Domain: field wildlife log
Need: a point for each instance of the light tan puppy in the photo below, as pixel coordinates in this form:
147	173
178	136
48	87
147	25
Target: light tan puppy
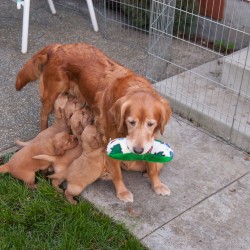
23	167
61	162
70	107
79	120
86	169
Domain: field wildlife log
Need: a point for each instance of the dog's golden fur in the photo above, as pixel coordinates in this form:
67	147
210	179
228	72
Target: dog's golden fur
127	104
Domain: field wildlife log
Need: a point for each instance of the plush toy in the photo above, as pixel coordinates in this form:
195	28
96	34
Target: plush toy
159	152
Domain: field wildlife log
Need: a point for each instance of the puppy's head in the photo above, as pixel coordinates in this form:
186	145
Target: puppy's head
70	108
90	138
63	141
76	93
140	117
79	120
59	105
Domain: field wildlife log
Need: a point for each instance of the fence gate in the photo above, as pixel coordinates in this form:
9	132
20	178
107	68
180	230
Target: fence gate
199	58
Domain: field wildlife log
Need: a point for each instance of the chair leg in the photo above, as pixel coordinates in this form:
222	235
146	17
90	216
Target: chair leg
25	29
52	6
92	15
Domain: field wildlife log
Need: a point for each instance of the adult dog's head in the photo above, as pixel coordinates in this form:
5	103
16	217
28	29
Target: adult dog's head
139	117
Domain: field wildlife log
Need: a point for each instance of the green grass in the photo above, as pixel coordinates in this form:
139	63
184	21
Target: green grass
43	219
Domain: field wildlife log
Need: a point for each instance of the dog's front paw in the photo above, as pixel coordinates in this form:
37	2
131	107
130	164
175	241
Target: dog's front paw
125	196
162	189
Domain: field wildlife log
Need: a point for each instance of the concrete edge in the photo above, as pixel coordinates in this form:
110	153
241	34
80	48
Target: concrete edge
216	127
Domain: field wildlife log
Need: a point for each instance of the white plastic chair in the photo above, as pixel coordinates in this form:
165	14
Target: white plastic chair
26	14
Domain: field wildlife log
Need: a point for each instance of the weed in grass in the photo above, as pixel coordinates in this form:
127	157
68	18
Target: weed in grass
43	219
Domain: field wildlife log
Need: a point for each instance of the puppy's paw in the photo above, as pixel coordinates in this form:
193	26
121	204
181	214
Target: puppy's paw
125	196
32	185
162	189
73	200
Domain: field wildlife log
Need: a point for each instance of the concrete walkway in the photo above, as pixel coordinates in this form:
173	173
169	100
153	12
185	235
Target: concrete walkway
209	206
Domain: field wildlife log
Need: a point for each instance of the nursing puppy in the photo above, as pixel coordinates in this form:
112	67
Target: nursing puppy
85	169
127	104
60	162
79	120
23	167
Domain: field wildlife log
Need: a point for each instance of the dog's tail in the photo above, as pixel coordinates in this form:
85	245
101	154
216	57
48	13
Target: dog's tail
4	168
49	158
32	70
22	143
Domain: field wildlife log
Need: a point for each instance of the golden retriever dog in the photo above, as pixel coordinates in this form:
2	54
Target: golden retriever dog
127	104
84	170
23	167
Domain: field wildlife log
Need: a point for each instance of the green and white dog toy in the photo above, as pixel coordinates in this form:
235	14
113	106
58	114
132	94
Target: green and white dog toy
159	152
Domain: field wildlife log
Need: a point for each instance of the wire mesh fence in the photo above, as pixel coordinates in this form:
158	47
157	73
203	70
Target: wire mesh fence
127	16
198	56
206	72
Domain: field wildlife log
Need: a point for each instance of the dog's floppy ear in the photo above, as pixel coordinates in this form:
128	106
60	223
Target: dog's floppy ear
79	128
95	142
90	116
58	147
166	113
59	113
59	150
118	111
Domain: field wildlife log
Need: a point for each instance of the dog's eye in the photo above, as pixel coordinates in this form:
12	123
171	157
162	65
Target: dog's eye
132	123
150	124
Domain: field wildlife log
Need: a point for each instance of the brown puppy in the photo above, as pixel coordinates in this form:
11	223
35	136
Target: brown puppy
61	162
79	120
23	167
128	104
70	107
86	169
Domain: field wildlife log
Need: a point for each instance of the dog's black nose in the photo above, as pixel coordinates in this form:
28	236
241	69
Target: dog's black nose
138	150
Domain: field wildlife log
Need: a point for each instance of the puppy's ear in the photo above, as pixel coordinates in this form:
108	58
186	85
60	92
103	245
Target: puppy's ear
58	148
59	114
166	113
118	111
79	128
95	142
91	119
